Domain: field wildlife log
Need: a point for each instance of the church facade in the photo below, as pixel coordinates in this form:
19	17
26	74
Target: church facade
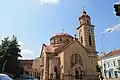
68	57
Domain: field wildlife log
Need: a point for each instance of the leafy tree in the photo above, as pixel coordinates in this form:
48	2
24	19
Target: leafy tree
98	68
9	52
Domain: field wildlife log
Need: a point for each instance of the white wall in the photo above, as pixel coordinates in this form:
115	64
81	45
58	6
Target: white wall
110	60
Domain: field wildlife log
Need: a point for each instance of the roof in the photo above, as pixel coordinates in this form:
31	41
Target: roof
65	47
112	53
61	34
37	58
48	48
26	61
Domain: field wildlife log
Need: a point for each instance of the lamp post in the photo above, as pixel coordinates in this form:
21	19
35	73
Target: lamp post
102	39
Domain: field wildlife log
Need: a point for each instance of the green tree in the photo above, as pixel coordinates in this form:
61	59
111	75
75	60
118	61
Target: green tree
98	68
9	51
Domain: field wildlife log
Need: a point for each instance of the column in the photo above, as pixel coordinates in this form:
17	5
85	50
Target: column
46	67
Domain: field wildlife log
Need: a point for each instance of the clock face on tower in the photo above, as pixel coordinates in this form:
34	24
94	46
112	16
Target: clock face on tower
89	30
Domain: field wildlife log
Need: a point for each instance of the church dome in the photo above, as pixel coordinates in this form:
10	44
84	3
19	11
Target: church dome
61	37
63	34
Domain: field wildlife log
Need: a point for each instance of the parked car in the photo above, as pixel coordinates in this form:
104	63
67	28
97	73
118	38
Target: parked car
25	77
5	77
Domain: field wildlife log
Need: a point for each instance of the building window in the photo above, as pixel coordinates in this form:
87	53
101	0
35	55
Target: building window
76	58
114	63
60	39
108	64
67	39
119	63
104	65
54	40
81	40
90	43
88	21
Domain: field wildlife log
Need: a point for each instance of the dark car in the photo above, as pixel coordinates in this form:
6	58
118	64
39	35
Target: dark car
25	77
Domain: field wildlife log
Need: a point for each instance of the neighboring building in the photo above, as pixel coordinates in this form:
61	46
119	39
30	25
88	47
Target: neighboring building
36	64
30	68
27	65
110	64
69	58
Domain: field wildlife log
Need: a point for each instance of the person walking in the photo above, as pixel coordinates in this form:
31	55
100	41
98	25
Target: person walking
101	78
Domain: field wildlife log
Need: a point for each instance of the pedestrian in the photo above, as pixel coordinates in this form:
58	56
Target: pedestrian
101	78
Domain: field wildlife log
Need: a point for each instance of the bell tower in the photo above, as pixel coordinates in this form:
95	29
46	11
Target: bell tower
86	32
87	38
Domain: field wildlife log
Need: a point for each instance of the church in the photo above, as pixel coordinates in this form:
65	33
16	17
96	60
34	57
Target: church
68	57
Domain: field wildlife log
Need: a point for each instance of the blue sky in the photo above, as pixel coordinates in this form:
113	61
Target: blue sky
34	23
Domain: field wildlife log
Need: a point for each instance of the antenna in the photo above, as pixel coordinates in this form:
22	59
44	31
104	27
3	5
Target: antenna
62	30
83	8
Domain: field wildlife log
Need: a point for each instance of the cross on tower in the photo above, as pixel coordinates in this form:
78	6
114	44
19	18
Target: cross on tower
62	30
83	8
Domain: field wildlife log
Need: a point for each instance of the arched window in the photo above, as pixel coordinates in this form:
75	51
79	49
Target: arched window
81	39
87	21
90	41
67	39
60	39
72	60
76	59
54	40
79	59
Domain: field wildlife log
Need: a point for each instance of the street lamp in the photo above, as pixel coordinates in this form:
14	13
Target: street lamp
103	34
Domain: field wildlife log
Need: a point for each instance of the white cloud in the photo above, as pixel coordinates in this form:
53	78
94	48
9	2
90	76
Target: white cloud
117	3
20	43
114	28
111	29
27	54
50	1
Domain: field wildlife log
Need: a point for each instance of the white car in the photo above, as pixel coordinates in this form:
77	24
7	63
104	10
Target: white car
5	77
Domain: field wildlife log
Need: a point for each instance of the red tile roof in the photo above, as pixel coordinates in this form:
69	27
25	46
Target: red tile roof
112	53
48	48
62	34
